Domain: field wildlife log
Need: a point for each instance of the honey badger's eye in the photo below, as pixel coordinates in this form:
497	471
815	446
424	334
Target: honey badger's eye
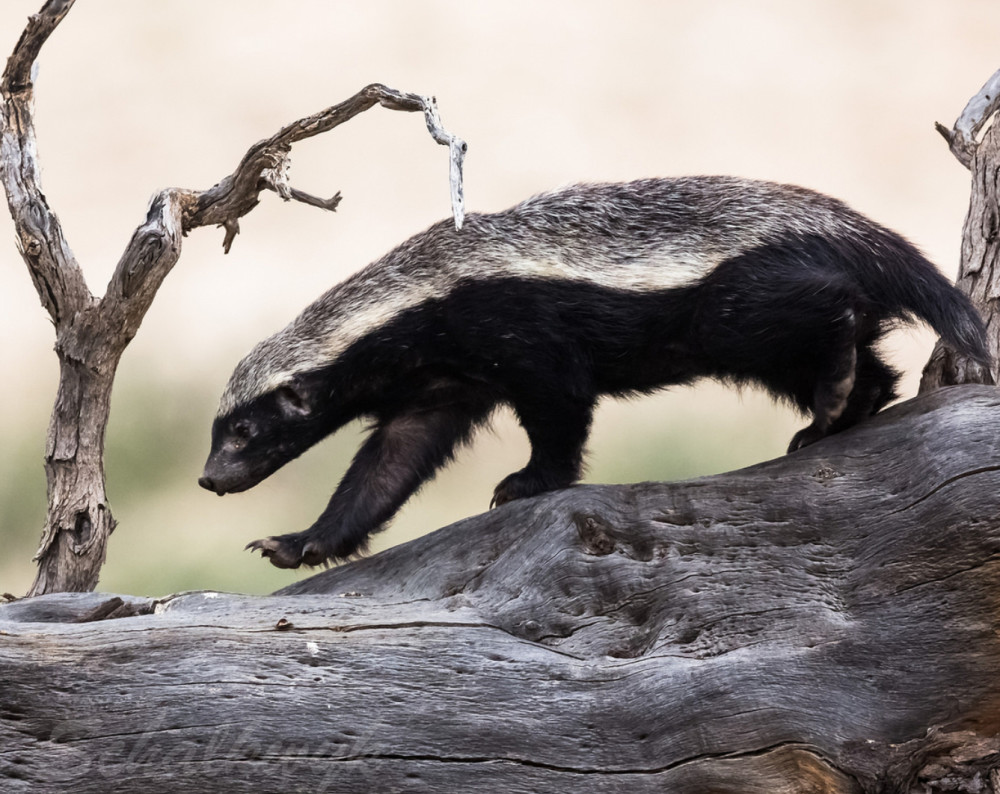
240	434
241	430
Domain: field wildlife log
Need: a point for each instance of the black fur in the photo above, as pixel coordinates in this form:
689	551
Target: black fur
800	315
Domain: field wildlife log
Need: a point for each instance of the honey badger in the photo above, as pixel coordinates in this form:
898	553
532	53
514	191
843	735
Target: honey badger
608	289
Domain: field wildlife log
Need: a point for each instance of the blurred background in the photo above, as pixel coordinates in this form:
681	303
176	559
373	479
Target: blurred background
135	95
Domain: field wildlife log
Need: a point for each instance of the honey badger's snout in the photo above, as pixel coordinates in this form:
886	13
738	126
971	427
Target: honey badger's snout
226	473
209	484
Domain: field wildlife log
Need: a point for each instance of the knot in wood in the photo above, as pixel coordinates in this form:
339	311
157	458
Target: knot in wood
594	534
989	222
826	473
152	246
32	227
530	630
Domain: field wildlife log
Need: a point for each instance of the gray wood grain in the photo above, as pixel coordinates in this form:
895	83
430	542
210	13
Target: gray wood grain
826	621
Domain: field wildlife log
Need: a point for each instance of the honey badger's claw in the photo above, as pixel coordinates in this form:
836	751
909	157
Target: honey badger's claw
526	483
499	498
805	437
289	551
313	555
278	551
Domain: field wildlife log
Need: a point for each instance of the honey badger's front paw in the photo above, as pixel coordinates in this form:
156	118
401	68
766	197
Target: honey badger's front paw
290	551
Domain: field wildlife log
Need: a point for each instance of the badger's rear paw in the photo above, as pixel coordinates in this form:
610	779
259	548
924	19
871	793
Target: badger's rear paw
805	437
290	551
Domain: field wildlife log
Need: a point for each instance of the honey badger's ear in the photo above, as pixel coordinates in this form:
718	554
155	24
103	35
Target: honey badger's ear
293	401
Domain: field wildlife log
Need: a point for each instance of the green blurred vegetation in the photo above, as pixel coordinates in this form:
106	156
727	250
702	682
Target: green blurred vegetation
174	536
22	507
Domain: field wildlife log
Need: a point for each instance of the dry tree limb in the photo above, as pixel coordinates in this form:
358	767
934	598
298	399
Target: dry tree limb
978	273
979	110
266	164
91	332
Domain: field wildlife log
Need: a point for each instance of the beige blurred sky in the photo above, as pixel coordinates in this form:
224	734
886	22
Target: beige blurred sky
136	95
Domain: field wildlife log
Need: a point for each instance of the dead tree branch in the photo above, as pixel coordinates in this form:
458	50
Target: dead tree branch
91	332
977	113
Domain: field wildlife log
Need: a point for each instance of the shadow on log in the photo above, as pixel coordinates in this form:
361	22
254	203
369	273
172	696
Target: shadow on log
824	622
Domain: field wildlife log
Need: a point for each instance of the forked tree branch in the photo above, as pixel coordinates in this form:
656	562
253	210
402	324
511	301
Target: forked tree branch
155	246
977	113
265	165
92	333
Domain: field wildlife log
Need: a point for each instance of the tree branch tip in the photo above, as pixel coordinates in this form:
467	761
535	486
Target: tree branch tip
232	228
391	99
56	6
314	201
957	143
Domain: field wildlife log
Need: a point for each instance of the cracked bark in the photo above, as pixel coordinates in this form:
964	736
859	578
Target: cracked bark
826	622
91	332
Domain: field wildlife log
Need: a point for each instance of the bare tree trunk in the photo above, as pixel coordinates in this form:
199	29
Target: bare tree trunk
979	268
79	517
92	333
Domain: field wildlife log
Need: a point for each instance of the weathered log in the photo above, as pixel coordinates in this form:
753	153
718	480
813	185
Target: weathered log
827	621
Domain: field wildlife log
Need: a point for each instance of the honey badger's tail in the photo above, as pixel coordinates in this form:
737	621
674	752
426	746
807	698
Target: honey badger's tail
910	284
950	312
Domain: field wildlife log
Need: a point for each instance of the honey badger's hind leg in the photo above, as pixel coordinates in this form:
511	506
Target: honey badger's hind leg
851	384
401	453
787	318
834	379
853	390
557	429
874	387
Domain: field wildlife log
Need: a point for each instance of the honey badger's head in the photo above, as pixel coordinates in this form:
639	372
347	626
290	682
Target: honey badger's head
255	439
272	410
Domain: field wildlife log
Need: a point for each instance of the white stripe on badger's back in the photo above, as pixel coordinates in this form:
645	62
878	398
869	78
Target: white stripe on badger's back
639	236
